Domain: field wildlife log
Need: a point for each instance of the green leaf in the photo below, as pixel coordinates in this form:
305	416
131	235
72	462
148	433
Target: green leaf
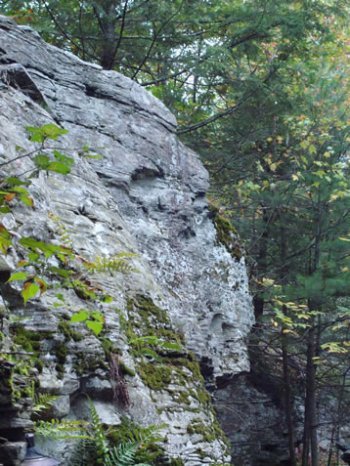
12	181
33	256
150	340
80	316
63	273
149	352
5	239
107	299
59	167
96	327
27	200
98	316
48	249
18	276
42	161
48	131
30	291
69	161
32	243
171	346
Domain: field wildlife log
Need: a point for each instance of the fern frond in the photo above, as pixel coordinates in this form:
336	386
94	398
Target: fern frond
131	432
62	429
43	402
98	432
61	230
117	263
84	454
122	455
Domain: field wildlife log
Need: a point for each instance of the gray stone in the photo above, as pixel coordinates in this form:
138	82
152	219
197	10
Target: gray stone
12	453
60	407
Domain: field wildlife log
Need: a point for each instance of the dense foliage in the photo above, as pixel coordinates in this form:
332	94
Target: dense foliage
261	89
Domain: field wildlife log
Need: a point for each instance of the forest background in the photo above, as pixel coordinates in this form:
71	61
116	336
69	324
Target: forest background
260	89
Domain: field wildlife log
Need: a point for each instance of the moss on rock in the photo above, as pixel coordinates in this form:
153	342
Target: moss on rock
159	368
227	234
176	462
30	341
68	331
156	376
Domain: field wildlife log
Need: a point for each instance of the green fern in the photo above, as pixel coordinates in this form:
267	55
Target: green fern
61	230
84	454
124	453
117	263
43	402
98	432
62	429
94	446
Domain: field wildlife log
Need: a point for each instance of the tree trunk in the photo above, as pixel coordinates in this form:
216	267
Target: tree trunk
310	443
258	300
107	18
288	400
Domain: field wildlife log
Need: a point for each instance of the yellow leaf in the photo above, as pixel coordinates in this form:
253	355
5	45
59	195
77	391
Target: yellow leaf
312	149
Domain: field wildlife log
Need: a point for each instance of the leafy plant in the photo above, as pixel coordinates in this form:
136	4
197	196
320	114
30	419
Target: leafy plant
42	401
36	253
151	345
117	263
124	455
43	133
95	446
93	320
62	429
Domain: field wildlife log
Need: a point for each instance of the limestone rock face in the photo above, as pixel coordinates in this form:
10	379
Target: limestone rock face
145	196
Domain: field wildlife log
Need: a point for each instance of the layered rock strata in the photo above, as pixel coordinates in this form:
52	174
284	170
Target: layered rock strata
142	193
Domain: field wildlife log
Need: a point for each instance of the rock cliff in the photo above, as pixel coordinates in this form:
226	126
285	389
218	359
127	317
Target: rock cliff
144	196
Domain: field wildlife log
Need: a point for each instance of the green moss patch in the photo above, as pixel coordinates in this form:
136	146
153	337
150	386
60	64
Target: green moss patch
157	366
176	462
156	376
69	332
126	370
208	432
30	341
226	233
